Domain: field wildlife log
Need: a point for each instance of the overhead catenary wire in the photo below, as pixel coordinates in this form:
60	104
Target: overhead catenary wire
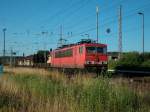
72	12
102	8
107	22
76	25
62	12
113	20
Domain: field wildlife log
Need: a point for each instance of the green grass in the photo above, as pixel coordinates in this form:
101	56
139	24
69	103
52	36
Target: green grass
35	93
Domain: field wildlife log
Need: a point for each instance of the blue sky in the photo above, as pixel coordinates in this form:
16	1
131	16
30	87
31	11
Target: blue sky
25	21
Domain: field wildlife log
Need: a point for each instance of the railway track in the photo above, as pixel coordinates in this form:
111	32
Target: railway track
130	72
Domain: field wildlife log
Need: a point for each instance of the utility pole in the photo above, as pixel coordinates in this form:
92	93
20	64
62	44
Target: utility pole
143	27
97	22
120	31
4	51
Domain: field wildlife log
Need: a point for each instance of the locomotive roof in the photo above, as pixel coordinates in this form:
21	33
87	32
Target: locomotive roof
82	42
72	45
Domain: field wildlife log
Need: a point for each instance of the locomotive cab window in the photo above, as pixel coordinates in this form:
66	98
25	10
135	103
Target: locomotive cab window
102	50
91	49
105	50
96	50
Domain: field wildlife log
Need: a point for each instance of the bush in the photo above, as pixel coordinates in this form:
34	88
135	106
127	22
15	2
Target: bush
146	56
146	63
112	64
132	61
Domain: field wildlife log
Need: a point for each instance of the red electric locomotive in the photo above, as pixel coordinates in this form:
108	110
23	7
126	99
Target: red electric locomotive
84	54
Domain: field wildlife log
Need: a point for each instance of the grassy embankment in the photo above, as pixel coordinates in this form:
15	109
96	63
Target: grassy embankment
33	90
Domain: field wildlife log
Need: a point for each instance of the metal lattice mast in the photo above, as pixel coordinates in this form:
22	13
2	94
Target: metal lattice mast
120	31
61	38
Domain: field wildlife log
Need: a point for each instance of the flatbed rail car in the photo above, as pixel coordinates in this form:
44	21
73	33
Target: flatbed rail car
82	56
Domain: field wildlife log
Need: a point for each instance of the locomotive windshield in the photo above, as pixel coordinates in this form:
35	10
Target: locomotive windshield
96	50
